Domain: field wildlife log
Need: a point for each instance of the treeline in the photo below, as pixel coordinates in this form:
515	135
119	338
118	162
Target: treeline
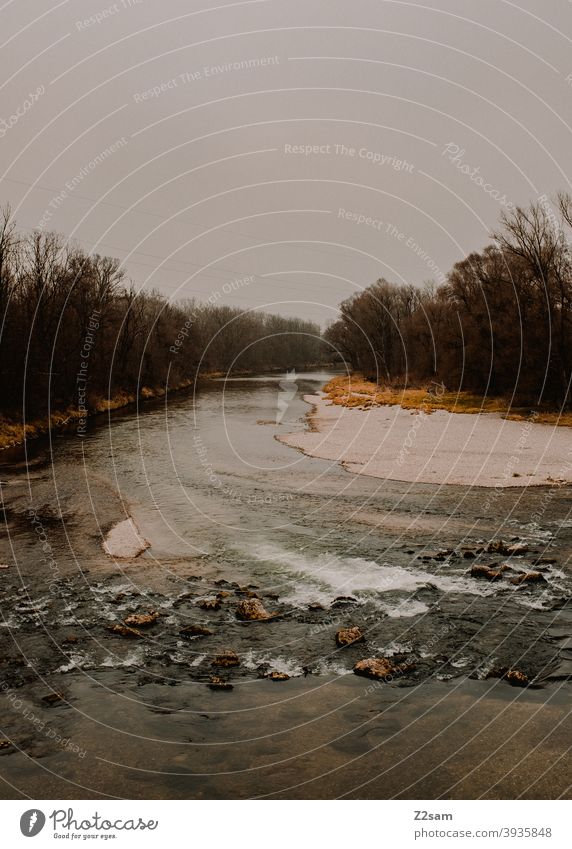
75	331
500	325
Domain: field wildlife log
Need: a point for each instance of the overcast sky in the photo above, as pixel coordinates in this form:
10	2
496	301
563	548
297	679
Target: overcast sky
165	133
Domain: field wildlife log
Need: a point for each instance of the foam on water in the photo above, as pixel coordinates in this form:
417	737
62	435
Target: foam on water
253	659
324	576
77	660
136	657
404	609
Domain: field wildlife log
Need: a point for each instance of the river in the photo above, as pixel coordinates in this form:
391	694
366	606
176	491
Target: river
229	510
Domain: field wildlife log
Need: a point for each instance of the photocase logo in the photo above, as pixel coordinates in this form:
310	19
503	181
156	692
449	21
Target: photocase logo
288	389
32	822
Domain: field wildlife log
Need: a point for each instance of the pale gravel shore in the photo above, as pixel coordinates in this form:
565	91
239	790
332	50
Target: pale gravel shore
441	448
124	541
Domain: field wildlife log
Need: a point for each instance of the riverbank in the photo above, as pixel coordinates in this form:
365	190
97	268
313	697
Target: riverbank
355	391
413	439
14	433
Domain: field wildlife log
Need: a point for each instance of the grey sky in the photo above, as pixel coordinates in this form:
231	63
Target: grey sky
164	134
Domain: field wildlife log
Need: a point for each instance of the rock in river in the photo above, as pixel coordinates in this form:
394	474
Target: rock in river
141	620
347	636
124	631
380	667
529	578
488	572
516	678
210	604
53	698
226	659
252	610
507	550
217	683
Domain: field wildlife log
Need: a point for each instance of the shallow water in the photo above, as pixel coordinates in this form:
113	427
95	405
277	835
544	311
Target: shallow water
227	508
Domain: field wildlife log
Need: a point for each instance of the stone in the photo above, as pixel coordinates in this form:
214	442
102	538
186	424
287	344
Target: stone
516	678
529	578
217	683
141	620
348	636
190	631
279	676
210	604
507	550
252	610
53	698
487	572
380	668
226	659
125	631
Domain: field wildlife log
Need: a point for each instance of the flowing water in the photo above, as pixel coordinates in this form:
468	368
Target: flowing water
229	510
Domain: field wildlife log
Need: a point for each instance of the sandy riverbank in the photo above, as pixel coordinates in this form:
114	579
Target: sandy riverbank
124	541
439	447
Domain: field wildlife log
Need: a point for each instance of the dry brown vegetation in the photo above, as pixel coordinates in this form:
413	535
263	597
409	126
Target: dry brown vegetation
357	391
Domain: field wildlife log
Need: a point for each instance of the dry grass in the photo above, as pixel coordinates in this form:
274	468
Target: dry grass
13	433
358	392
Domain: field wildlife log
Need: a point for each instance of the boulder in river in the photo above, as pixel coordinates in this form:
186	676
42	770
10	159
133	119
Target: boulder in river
507	549
252	610
347	636
279	676
516	678
53	698
210	604
226	659
529	578
513	676
217	683
141	620
341	600
125	631
487	572
380	668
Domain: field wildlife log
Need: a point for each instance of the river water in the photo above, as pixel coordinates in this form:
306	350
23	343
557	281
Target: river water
228	509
